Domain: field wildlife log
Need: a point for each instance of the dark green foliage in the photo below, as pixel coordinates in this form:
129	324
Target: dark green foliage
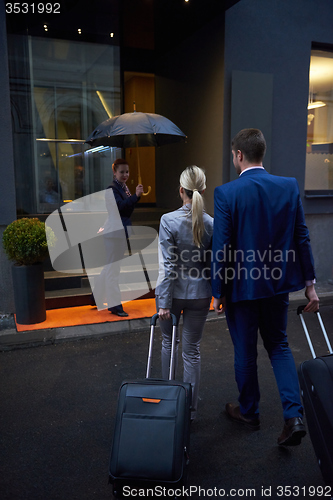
25	242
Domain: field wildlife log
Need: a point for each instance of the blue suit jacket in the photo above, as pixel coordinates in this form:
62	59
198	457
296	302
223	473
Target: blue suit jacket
261	245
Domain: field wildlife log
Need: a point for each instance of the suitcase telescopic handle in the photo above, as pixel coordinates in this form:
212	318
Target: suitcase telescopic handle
300	314
173	345
156	316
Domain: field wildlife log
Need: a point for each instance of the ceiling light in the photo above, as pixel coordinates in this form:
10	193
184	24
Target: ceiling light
316	104
312	104
111	35
79	31
98	149
105	104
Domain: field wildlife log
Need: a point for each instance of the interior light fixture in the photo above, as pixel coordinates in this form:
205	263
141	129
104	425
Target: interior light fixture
111	35
98	149
72	156
316	104
79	31
104	103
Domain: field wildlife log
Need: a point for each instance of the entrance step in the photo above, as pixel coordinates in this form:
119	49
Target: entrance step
73	288
74	297
148	216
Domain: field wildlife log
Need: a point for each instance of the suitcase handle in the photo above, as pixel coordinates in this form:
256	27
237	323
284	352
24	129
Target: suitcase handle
300	314
156	316
301	308
173	345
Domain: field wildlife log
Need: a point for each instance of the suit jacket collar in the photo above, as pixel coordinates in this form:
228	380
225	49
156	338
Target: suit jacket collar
254	171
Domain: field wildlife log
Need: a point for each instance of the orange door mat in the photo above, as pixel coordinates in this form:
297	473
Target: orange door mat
88	315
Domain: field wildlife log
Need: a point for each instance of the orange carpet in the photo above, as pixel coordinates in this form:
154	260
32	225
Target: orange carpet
88	315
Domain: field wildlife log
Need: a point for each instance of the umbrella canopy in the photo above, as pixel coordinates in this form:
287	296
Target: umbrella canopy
136	129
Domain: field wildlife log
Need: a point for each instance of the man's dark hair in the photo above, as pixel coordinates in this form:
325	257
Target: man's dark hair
251	142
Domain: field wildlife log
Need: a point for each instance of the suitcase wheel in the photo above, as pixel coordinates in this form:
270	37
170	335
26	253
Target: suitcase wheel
116	494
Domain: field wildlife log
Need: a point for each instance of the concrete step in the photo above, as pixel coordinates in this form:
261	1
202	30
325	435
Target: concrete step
55	280
74	297
73	288
148	214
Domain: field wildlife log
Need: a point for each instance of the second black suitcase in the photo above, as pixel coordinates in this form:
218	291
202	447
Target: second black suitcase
316	382
152	427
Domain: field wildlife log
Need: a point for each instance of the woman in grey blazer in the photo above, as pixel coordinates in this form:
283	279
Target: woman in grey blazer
185	239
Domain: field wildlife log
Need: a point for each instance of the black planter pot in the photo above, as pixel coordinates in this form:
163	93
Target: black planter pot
29	294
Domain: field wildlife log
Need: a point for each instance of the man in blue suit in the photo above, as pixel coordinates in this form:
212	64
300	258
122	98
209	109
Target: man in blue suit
261	252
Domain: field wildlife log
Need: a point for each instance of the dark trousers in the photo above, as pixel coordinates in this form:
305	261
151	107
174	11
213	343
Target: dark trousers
269	316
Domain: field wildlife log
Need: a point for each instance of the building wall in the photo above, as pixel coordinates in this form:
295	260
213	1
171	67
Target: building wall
274	39
321	235
267	39
7	184
189	91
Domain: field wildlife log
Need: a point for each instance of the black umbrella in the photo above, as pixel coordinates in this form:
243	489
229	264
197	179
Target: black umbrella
136	129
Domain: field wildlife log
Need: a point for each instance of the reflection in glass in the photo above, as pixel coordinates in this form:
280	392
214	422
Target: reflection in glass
319	157
60	91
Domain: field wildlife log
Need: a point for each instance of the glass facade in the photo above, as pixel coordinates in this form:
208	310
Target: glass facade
60	91
319	157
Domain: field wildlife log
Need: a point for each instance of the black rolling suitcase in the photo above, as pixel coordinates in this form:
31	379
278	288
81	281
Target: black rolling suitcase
152	428
316	382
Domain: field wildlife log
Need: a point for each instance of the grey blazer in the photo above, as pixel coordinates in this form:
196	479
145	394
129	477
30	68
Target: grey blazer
184	269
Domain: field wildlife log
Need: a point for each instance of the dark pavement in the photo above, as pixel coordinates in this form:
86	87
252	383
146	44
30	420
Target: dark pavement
57	412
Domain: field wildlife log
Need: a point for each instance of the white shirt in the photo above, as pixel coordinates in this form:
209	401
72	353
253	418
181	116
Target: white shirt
250	168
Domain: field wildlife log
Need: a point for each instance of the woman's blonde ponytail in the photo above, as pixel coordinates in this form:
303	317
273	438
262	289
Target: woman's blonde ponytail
193	180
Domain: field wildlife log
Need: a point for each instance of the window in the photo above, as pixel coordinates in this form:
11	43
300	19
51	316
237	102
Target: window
319	147
60	91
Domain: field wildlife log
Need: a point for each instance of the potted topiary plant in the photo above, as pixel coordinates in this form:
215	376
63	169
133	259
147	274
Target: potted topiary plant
25	243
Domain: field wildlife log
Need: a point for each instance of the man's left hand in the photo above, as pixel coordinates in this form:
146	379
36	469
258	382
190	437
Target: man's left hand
219	305
311	295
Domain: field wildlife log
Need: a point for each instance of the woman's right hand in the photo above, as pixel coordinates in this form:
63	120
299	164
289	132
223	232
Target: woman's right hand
164	313
139	190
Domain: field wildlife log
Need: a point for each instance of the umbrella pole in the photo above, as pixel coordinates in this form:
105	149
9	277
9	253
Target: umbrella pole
139	171
144	194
